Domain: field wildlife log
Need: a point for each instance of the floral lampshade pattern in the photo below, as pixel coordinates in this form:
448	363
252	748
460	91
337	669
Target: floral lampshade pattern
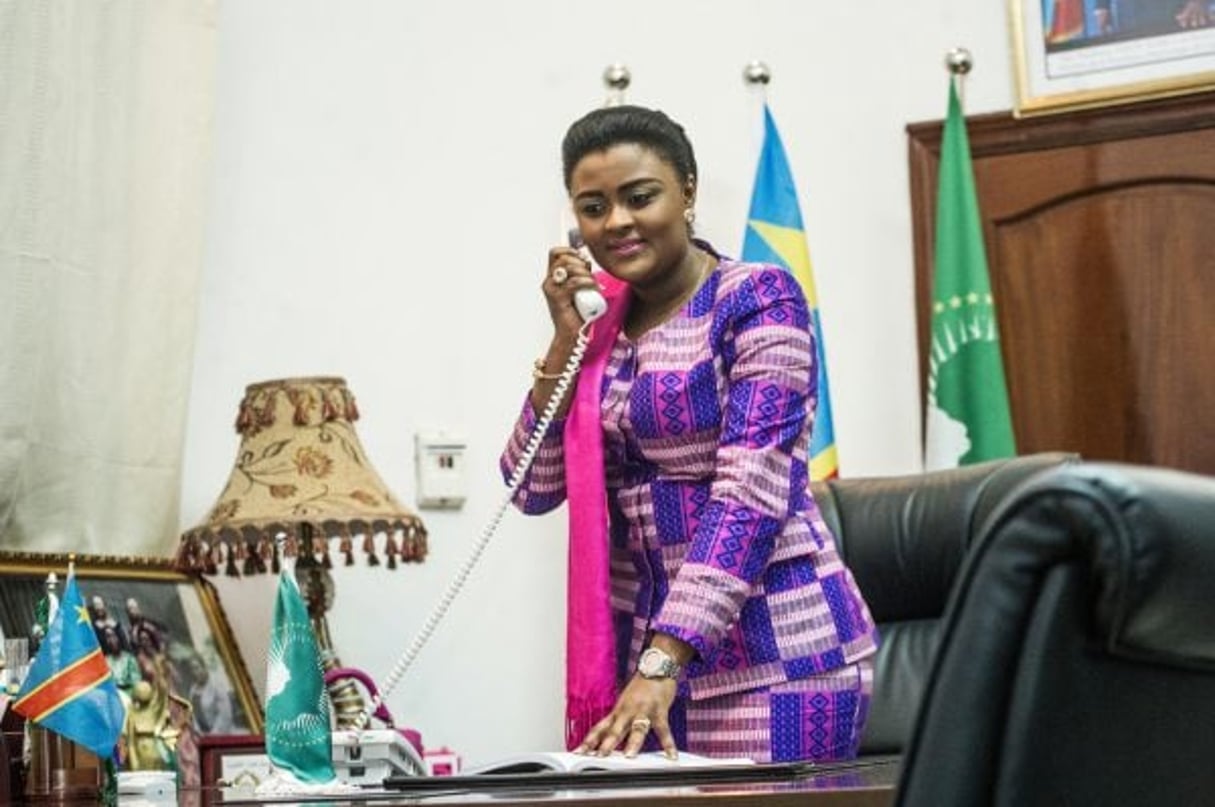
301	475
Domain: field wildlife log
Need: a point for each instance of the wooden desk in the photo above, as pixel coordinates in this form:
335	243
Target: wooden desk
868	784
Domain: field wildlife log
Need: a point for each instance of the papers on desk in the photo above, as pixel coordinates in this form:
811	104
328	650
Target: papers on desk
644	772
569	762
144	788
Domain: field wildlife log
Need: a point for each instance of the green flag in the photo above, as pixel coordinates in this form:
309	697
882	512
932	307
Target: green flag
967	412
298	738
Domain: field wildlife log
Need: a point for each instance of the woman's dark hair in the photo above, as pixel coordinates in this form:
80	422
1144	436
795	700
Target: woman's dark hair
610	126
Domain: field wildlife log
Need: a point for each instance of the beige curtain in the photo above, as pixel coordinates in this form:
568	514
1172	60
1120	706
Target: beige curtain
105	131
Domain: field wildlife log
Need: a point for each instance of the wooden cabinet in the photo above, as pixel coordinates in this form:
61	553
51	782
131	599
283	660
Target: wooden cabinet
1100	233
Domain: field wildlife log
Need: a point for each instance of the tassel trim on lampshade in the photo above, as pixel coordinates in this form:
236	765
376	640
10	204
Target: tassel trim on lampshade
300	473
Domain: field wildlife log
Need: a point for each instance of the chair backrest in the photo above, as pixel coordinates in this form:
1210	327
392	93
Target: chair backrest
1077	655
905	538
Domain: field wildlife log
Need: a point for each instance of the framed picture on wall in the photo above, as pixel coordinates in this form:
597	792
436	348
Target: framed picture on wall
168	644
1073	54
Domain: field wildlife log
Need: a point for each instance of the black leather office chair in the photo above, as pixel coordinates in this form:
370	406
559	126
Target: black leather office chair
905	538
1076	663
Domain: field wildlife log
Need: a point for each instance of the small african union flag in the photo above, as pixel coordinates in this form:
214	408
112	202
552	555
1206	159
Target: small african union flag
298	737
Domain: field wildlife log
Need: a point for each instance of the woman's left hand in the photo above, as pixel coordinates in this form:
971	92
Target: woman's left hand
642	707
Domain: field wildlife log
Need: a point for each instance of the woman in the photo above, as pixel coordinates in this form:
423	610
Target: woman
737	629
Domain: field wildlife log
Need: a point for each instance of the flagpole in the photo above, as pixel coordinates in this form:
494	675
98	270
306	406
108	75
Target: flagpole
959	62
757	75
616	77
775	234
967	415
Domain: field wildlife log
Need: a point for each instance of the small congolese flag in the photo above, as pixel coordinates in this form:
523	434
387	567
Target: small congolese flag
69	689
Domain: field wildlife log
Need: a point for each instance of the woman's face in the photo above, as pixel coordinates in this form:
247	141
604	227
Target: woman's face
630	205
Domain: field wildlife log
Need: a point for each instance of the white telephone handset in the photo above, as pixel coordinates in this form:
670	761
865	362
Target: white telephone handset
589	302
591	305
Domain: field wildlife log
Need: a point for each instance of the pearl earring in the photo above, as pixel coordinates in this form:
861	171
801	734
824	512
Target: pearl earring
689	215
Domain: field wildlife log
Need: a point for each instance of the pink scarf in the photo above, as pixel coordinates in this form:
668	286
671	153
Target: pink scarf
590	656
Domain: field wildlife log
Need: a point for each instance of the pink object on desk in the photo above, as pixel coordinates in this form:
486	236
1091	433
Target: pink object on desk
381	712
442	762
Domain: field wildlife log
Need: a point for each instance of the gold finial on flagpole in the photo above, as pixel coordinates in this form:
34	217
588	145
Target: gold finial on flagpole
616	77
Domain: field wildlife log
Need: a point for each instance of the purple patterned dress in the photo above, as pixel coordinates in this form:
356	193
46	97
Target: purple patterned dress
715	538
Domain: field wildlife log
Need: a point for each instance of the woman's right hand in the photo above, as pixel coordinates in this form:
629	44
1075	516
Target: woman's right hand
568	271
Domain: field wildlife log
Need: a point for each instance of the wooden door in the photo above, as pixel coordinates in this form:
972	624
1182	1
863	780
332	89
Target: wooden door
1100	233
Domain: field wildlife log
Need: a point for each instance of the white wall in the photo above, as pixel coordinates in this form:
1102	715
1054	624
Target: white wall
386	187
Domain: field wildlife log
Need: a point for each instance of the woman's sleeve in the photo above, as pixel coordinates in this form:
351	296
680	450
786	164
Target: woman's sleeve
768	351
543	486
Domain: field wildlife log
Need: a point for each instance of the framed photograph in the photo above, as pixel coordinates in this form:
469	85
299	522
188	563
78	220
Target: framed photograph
1075	54
169	645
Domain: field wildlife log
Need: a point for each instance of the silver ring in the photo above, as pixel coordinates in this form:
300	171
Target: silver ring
641	724
560	275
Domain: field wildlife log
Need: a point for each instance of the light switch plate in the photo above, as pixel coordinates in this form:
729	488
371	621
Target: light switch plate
440	460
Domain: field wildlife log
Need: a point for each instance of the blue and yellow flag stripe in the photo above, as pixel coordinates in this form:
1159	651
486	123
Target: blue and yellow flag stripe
775	234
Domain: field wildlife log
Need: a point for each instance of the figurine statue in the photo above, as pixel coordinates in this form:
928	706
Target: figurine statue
155	723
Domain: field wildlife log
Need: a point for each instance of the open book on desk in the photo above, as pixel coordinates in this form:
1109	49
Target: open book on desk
559	770
569	762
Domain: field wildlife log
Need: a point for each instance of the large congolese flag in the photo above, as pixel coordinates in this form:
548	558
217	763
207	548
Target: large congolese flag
69	689
967	411
775	235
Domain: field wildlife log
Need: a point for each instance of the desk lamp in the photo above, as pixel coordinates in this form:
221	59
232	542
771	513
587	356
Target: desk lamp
302	480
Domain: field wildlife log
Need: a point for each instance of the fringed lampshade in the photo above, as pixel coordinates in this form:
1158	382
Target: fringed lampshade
302	482
301	474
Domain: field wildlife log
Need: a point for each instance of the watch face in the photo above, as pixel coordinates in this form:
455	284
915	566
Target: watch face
655	664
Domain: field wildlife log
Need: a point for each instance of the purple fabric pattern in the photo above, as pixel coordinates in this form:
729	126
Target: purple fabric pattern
715	538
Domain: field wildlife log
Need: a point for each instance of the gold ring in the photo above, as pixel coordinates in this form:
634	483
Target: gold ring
641	724
560	275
